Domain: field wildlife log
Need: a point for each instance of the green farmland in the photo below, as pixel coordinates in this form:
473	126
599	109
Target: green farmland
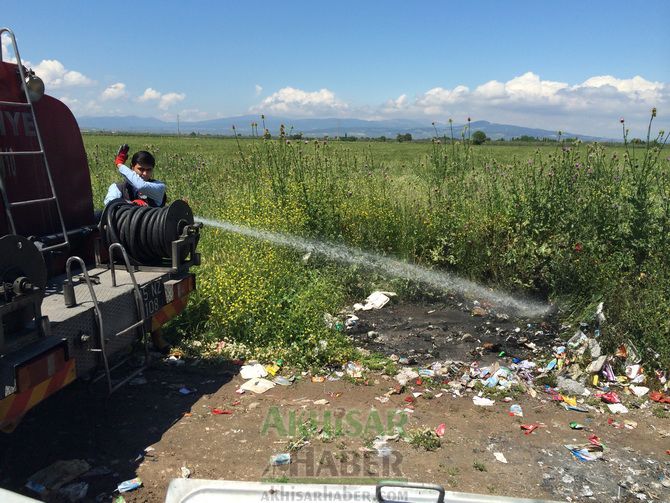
570	223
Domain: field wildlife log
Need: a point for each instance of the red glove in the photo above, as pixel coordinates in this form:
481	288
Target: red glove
122	154
139	202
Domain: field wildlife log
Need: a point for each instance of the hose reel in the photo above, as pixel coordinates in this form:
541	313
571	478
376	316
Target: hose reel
145	232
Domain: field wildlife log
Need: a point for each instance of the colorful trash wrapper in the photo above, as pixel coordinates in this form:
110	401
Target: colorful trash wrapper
280	459
586	452
129	485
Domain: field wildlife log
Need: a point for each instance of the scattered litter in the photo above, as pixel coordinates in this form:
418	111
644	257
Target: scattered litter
426	373
586	452
516	410
322	401
569	385
659	397
129	485
280	459
630	425
576	426
376	300
482	402
639	391
56	475
617	408
577	340
257	386
572	401
610	397
318	379
405	375
632	371
173	360
185	472
186	391
351	321
74	492
596	365
594	440
500	457
574	408
441	430
380	444
253	371
551	365
281	380
530	428
353	370
220	412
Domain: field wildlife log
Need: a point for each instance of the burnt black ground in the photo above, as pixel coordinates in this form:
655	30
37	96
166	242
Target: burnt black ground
428	331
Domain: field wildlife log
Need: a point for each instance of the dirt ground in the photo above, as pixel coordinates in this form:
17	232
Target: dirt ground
153	431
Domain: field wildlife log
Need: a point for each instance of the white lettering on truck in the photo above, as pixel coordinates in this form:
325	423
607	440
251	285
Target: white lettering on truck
10	123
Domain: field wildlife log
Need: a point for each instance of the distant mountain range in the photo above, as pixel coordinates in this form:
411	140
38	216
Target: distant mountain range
316	128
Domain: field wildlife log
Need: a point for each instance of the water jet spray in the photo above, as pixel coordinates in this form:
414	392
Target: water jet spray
441	281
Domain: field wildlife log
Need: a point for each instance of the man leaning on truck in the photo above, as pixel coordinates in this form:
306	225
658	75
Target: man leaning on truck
139	188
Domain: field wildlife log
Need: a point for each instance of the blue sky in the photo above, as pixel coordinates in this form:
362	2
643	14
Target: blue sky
571	65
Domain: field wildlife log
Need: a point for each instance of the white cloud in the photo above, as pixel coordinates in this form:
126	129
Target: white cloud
394	105
114	92
491	90
530	90
296	102
259	89
169	99
7	50
80	107
434	100
529	100
637	87
149	94
530	87
55	75
165	101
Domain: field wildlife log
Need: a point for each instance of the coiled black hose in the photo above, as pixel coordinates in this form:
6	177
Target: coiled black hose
145	232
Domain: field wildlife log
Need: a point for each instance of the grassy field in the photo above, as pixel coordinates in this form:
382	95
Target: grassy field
576	224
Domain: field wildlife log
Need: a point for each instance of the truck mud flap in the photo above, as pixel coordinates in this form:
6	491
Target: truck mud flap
181	291
13	407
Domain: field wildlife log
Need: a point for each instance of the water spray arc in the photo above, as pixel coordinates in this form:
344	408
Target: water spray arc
439	280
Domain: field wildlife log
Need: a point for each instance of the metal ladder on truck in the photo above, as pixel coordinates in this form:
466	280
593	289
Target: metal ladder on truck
11	155
140	325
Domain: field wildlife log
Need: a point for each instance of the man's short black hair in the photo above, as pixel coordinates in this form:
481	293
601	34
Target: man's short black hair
143	158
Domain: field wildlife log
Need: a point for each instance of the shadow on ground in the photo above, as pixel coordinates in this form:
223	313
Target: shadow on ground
112	432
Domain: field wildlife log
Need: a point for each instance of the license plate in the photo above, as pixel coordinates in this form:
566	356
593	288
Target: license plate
153	296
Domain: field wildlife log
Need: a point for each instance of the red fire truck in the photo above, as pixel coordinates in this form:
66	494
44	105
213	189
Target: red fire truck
77	289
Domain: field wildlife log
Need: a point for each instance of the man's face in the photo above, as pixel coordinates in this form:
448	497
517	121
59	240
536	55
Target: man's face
144	171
